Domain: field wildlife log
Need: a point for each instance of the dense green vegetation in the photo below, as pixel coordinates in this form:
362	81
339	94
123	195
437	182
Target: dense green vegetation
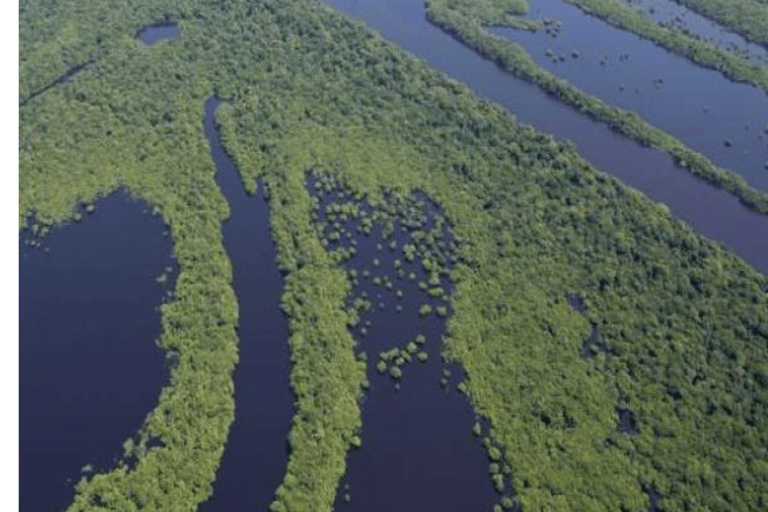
685	320
517	60
412	226
746	17
503	13
106	129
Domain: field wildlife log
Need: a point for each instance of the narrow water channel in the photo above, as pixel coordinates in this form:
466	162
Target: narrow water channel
256	453
418	451
713	212
719	118
672	14
89	368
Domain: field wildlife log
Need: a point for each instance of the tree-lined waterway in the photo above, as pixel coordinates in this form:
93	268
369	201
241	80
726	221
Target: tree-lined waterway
711	211
673	14
721	119
256	453
592	411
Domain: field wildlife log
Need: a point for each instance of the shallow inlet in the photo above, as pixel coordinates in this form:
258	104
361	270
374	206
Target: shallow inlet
89	368
418	451
256	453
713	212
721	119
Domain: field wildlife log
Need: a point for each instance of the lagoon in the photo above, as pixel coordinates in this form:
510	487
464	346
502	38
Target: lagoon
89	368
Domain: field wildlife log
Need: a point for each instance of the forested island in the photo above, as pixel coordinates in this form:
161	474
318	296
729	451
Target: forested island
468	22
578	305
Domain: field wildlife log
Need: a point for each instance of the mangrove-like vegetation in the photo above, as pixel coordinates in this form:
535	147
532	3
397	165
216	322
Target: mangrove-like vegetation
698	50
306	89
469	28
746	17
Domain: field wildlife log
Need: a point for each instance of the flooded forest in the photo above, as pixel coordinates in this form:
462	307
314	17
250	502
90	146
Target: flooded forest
354	255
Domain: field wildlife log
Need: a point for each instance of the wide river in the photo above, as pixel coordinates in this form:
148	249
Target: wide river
712	212
417	447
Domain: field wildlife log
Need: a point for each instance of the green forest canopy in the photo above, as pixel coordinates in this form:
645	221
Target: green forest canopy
686	321
467	21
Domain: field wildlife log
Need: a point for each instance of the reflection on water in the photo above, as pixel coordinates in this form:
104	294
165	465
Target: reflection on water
89	368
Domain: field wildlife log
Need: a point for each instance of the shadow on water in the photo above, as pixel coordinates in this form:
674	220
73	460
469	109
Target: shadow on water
150	35
256	453
713	212
417	451
722	119
89	370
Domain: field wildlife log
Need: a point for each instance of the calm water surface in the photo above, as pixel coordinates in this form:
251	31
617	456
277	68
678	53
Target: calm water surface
256	454
152	34
672	14
418	451
724	120
89	368
711	211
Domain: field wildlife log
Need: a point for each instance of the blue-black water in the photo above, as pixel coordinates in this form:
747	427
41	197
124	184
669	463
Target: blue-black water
89	368
724	120
418	451
152	34
256	453
713	212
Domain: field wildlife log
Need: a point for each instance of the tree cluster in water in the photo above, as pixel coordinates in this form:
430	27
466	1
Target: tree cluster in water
685	320
468	25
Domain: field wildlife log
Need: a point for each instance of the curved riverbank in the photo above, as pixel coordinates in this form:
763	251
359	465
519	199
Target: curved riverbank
684	317
256	453
88	325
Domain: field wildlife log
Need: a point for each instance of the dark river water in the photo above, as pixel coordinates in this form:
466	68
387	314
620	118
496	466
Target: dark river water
698	106
86	386
256	454
418	451
152	34
673	14
712	212
89	368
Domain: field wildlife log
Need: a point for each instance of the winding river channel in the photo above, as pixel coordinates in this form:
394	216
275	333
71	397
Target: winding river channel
90	372
256	454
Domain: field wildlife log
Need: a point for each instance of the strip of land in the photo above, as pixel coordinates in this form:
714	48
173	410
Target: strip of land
685	320
746	17
469	29
700	51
